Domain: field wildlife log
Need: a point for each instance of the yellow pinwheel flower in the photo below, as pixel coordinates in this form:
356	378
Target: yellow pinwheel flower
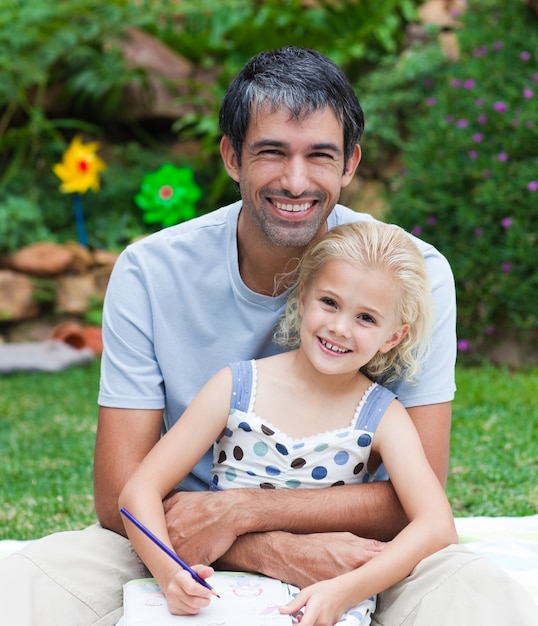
80	167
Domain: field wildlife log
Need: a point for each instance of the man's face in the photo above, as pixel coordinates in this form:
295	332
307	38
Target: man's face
291	174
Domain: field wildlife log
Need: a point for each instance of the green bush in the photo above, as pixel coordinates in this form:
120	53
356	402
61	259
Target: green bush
469	183
61	69
21	223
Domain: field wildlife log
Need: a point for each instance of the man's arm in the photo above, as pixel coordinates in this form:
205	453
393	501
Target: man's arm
433	423
124	437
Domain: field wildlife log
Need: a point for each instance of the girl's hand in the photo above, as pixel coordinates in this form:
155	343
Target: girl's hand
320	604
184	595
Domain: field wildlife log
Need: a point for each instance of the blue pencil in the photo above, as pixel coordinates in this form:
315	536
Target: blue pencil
166	549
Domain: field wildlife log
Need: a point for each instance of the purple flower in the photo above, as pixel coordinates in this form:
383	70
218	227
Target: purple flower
533	185
486	173
449	119
430	102
469	83
502	156
528	93
507	222
482	119
498	45
478	137
479	102
417	231
535	78
456	82
431	219
463	345
489	330
501	107
480	51
506	267
478	232
472	154
463	123
525	56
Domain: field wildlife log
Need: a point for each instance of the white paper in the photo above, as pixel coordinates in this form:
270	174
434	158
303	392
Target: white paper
245	599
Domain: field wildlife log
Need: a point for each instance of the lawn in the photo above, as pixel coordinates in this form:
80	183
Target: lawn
47	433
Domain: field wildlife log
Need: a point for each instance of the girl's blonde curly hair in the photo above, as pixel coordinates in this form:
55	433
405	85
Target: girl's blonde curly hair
372	246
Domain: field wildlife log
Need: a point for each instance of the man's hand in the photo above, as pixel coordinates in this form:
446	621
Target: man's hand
299	559
202	526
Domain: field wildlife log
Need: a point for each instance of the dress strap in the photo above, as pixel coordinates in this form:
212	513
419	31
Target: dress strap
242	377
374	408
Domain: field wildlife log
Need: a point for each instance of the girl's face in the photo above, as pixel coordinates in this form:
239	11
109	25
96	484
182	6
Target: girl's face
348	315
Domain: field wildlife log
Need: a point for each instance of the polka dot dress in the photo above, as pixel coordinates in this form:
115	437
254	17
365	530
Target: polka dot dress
253	453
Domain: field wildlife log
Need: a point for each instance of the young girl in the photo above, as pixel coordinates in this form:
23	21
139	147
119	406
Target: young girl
314	417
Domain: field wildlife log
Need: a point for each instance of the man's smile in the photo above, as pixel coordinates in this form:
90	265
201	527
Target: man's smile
293	208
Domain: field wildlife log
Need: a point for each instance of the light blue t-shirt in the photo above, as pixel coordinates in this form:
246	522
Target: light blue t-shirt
176	311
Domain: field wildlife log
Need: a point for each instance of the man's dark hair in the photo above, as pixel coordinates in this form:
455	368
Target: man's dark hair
298	79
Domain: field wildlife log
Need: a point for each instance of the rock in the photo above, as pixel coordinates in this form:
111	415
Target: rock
82	257
449	45
41	259
74	293
533	4
105	257
167	77
443	13
365	196
514	348
101	277
16	301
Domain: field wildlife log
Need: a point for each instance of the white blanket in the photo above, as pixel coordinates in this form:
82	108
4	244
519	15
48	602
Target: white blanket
510	542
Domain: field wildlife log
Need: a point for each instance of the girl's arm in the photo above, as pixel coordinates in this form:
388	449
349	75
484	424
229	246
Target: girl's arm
430	529
167	463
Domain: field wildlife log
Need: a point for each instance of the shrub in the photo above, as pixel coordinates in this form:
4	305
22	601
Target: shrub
21	223
61	69
469	183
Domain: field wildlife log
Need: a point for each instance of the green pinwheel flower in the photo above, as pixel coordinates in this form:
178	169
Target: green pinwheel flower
168	195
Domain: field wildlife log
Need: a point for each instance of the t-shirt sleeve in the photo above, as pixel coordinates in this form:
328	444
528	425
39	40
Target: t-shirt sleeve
436	380
130	374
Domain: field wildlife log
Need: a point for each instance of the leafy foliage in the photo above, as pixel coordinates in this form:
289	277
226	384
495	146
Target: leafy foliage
62	72
45	49
21	224
469	182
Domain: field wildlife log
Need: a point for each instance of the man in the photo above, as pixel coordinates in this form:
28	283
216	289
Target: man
185	302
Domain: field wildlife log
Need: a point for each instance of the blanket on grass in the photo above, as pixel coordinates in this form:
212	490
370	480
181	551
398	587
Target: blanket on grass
510	542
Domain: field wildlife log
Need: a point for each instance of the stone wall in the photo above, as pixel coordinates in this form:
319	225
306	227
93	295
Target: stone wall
45	284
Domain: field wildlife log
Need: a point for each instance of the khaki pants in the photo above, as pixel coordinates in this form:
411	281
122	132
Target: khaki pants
75	579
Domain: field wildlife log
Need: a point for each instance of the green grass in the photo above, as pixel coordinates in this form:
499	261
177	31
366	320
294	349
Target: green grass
494	444
47	434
